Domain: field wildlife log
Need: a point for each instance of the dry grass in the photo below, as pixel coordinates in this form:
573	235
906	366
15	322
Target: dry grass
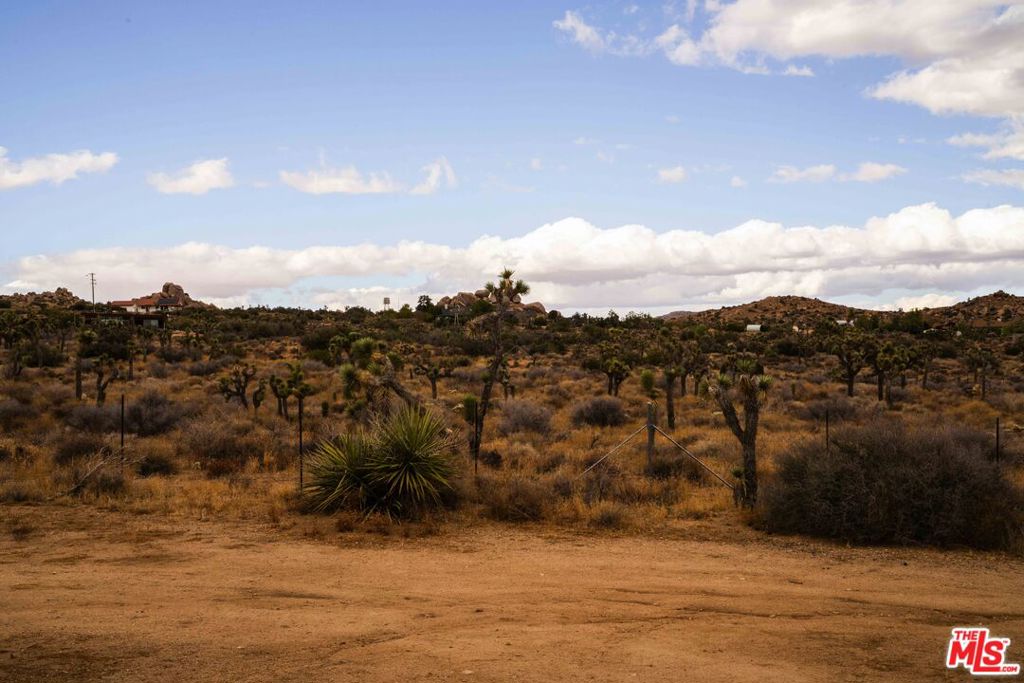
530	475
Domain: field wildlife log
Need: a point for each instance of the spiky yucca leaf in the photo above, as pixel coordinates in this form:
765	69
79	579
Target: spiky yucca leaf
411	465
338	473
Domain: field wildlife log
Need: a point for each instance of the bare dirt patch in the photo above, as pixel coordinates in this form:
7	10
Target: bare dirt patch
94	595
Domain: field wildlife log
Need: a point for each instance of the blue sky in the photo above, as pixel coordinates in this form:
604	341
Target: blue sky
536	121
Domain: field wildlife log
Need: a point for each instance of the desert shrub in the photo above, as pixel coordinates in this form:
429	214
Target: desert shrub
491	458
399	468
673	467
219	444
887	482
97	419
205	368
600	411
173	354
608	515
524	416
839	408
14	413
153	413
20	392
78	445
106	482
517	499
158	369
156	459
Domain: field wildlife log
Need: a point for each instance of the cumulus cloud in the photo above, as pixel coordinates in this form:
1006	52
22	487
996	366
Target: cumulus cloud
737	181
199	178
961	56
675	174
573	264
52	168
1010	177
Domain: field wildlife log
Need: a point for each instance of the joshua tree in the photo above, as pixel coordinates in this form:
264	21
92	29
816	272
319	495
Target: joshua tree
748	389
617	370
503	293
374	372
505	377
259	395
433	372
647	382
281	391
891	359
236	384
853	349
981	361
693	362
106	372
923	355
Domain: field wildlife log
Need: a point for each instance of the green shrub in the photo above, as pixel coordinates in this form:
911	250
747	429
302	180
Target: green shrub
887	482
400	467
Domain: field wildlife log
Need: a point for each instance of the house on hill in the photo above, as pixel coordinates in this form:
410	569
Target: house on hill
151	304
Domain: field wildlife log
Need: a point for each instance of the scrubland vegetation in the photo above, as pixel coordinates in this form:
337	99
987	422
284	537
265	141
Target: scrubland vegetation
411	415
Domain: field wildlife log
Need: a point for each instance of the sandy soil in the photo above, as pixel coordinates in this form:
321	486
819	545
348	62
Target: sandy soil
92	595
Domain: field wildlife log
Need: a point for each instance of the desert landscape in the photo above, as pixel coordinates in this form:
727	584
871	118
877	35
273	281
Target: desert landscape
551	528
674	340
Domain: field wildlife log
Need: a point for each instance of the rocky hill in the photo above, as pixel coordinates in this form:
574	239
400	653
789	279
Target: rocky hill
59	298
773	310
992	310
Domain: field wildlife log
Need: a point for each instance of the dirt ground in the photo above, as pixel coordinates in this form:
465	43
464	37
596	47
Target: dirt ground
88	595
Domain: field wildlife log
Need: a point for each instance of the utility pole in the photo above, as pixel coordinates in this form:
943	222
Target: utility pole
92	283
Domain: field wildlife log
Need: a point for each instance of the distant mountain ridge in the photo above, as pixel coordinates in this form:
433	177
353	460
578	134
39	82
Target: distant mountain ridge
991	310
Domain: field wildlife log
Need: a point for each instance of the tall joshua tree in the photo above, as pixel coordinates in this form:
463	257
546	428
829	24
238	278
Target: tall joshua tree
852	348
748	390
236	384
503	293
106	371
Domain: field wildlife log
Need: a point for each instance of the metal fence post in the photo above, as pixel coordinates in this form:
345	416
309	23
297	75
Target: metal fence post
650	432
122	432
301	402
998	444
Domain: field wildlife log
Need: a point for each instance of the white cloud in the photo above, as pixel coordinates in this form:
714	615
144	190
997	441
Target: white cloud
672	118
52	168
737	181
930	300
811	174
1008	143
1011	177
574	264
581	33
347	180
585	141
199	178
793	70
867	172
961	56
439	173
536	164
872	172
675	174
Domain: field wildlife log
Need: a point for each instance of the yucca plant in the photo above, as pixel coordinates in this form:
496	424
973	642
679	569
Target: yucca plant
339	473
400	467
411	464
